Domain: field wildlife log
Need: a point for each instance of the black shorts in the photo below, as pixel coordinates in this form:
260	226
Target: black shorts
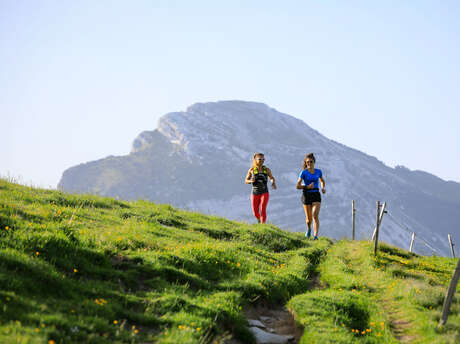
310	197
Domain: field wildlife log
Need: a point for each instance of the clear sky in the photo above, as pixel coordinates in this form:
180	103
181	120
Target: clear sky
79	80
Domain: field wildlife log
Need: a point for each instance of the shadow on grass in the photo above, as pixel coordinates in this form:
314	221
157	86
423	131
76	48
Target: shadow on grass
398	273
65	285
394	251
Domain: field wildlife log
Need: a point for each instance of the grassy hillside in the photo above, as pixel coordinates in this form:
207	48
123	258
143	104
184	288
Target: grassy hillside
97	270
86	269
395	297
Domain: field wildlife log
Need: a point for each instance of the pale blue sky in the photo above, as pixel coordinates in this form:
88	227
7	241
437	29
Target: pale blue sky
79	80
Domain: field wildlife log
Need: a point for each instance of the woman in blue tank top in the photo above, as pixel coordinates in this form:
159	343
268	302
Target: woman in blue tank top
311	198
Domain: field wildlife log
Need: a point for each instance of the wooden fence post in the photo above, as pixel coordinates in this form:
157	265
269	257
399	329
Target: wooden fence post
353	211
412	242
380	219
451	245
377	225
449	296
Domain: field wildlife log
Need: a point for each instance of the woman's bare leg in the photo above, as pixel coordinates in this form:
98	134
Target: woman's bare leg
315	207
308	215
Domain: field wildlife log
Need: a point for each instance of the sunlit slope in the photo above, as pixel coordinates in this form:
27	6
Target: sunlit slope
86	269
394	297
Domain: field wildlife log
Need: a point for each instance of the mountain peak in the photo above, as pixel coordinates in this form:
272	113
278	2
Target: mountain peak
229	104
217	126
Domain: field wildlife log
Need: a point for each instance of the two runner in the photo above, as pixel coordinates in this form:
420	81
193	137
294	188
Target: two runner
311	177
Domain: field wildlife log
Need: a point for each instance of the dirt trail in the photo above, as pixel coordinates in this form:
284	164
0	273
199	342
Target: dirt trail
277	320
398	325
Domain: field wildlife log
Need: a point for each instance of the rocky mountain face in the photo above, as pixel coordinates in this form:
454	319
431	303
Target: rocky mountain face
198	159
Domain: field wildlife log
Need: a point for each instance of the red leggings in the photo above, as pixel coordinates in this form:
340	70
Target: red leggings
259	206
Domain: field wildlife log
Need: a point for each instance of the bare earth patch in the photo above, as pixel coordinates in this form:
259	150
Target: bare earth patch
398	326
276	319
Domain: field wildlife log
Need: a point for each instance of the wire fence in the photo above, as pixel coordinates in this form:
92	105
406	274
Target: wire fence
419	237
381	210
361	217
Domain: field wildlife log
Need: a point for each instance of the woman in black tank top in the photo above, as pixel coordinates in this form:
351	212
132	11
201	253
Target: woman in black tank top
258	176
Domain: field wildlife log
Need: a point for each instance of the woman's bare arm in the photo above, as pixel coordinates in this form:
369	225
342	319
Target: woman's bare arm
272	179
323	185
299	184
248	179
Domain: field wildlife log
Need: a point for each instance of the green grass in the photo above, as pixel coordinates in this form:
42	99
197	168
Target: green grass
87	269
396	296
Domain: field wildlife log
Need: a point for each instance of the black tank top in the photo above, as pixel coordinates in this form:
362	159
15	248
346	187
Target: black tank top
259	187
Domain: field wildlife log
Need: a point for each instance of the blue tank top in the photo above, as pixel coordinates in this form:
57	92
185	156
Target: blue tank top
309	178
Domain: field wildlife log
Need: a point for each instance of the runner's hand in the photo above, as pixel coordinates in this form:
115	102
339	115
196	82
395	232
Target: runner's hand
323	190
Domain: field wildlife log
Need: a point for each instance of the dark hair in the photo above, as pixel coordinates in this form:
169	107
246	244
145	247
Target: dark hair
308	156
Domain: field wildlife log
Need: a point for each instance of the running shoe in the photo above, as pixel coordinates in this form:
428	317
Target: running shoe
315	238
308	234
